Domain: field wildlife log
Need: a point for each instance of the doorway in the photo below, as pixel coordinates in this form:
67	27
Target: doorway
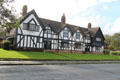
47	45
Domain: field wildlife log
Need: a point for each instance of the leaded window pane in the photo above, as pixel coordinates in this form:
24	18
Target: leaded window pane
25	26
31	27
65	34
77	35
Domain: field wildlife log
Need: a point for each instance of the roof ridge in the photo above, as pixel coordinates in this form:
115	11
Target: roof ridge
61	23
49	20
57	26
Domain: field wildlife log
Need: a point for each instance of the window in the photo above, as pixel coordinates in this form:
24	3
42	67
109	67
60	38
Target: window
38	39
65	34
64	44
48	31
78	45
98	39
77	35
30	26
98	49
25	26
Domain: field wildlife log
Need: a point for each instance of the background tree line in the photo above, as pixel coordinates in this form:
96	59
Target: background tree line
113	41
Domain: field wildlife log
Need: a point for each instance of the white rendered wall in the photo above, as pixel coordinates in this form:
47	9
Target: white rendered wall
28	32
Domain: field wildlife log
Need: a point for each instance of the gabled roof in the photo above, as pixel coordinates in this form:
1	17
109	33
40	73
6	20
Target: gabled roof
58	26
94	30
34	13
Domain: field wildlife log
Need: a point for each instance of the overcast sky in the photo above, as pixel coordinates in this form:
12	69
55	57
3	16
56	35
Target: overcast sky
103	13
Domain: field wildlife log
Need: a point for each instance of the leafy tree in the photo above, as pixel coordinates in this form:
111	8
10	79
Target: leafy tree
6	15
116	41
113	41
108	41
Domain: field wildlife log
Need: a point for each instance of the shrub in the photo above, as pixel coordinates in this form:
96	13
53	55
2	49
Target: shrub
116	52
106	51
0	45
6	44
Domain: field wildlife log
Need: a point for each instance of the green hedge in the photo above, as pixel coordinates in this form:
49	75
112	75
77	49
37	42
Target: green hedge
116	52
5	44
106	51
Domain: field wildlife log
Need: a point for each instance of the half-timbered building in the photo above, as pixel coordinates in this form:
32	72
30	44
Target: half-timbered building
48	35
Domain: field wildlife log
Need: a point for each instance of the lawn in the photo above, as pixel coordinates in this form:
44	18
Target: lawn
4	54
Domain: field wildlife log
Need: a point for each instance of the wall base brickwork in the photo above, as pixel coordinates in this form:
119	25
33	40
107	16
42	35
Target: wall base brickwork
55	51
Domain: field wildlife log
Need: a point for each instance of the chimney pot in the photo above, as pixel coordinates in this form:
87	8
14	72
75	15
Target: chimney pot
89	25
63	18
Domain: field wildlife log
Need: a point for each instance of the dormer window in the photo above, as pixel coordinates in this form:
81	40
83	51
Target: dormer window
65	34
77	35
31	26
48	31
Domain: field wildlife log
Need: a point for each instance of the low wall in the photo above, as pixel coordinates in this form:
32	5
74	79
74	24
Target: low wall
55	51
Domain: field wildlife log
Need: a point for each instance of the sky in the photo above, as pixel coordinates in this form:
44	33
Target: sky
101	13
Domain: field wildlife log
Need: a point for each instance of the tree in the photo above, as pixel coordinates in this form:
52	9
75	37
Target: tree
113	41
116	41
108	41
6	15
8	19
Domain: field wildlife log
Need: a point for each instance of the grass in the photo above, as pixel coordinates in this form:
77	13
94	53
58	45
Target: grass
29	55
4	54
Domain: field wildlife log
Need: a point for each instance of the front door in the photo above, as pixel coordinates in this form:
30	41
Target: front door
47	45
87	49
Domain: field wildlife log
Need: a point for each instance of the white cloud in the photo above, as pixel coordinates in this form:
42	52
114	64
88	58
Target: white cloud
107	28
53	9
107	1
116	26
78	12
112	28
105	7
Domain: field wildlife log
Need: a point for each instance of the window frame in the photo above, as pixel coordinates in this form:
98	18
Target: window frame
26	26
65	34
77	46
77	34
98	39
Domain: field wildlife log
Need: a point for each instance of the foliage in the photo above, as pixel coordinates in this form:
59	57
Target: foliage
9	26
6	44
8	19
108	40
116	52
106	51
6	14
116	41
113	41
4	54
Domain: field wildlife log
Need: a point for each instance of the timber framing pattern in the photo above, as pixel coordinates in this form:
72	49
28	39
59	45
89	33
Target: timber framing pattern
48	35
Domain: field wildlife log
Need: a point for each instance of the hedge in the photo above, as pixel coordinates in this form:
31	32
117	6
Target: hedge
106	51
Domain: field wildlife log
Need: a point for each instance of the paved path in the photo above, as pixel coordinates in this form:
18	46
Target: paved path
54	62
61	72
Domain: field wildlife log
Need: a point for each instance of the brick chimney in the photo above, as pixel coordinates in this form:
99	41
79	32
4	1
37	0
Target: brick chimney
63	19
89	25
24	10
